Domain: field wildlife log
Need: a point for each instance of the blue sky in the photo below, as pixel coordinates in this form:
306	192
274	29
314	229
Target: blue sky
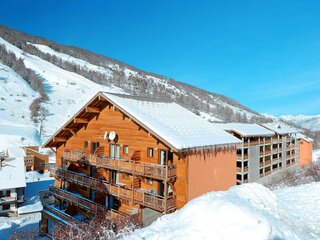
264	54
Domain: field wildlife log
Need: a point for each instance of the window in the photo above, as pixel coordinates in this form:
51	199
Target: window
125	149
239	177
8	193
245	176
5	206
239	152
239	165
115	151
150	152
261	171
85	144
94	146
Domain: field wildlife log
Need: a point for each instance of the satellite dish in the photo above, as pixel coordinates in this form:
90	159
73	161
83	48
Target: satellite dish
112	135
105	137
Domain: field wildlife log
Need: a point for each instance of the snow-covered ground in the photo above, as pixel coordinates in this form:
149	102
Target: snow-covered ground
249	211
316	155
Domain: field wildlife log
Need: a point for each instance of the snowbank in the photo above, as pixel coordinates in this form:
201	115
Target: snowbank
316	155
250	211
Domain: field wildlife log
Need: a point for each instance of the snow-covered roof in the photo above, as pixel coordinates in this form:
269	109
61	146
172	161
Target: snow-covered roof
13	174
246	129
304	137
171	122
280	128
174	125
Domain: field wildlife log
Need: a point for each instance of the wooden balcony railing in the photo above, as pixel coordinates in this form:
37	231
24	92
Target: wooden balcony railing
94	183
245	169
92	207
59	213
8	200
251	143
140	196
156	171
245	156
267	152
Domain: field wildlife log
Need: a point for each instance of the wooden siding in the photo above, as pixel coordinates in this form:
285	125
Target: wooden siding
129	134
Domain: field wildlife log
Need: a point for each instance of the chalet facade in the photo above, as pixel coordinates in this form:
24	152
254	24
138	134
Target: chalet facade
305	149
34	160
135	158
266	151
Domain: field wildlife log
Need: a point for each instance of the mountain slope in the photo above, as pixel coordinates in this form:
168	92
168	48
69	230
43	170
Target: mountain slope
309	122
69	76
110	72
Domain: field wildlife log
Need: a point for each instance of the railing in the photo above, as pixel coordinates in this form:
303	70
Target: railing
240	169
267	152
140	196
251	143
276	140
156	171
245	156
6	200
77	178
89	205
59	213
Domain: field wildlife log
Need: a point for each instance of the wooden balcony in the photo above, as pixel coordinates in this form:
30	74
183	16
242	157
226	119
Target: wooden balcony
156	171
47	208
247	144
241	170
92	207
267	152
8	200
245	156
140	196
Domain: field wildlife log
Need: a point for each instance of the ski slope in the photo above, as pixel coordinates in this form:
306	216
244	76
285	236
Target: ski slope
67	91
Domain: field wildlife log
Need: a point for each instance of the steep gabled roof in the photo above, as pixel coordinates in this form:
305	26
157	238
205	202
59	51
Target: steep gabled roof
280	128
172	124
246	129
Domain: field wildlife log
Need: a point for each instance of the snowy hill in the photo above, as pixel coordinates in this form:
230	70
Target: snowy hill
309	122
249	211
70	76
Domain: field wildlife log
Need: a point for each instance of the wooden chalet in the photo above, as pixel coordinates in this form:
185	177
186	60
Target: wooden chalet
134	158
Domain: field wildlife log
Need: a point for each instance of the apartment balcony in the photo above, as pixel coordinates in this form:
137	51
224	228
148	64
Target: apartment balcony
264	153
276	140
156	171
242	170
8	200
93	208
55	212
139	196
245	156
251	143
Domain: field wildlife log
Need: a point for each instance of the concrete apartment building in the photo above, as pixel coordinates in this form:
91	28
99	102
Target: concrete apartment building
265	151
305	149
